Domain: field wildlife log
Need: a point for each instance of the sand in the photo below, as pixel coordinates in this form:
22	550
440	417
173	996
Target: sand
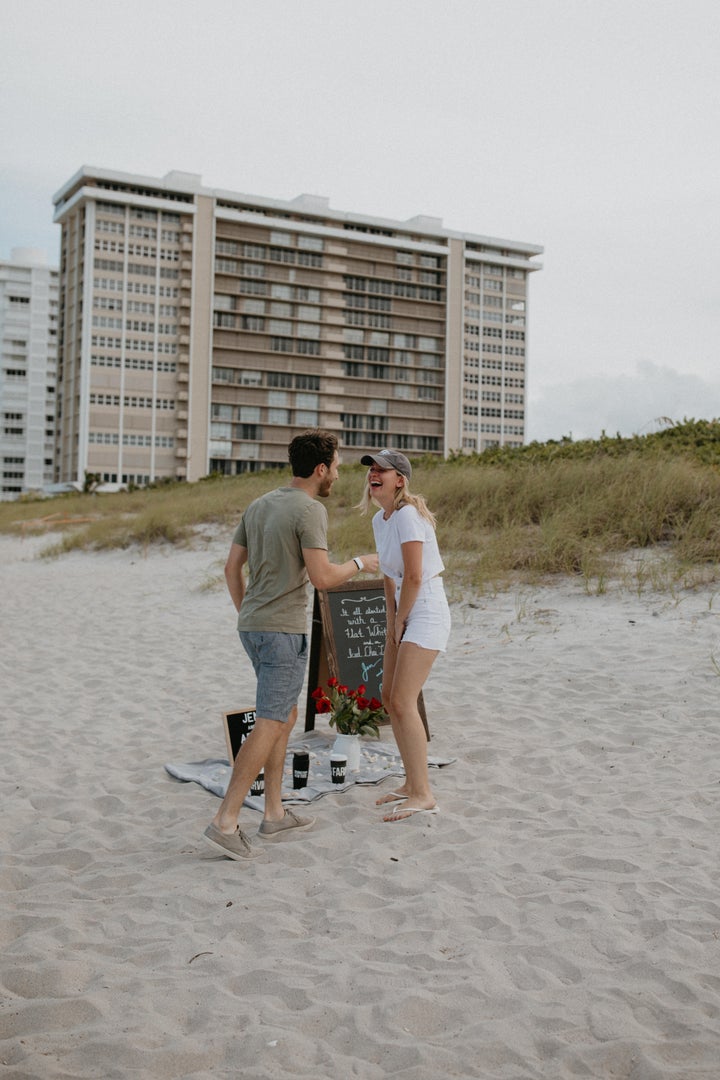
559	919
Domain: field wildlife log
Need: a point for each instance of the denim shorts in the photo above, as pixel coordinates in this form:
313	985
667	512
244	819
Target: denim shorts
279	661
429	622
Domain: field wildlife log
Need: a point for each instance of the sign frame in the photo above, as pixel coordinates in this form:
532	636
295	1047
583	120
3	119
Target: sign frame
327	660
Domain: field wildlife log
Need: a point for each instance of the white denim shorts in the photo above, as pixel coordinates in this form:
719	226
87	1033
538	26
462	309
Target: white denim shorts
429	622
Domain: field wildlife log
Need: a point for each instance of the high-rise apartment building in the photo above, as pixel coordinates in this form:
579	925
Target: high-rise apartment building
28	355
201	329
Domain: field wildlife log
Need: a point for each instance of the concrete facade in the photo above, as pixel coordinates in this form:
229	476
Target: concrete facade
28	356
201	329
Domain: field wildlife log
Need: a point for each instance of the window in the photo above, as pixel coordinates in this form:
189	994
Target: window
223	303
226	266
250	378
308	330
312	296
258	288
282	344
220	431
280	326
249	414
310	243
278	399
252	307
307	382
221	448
306	418
279	378
308	348
278	416
247	431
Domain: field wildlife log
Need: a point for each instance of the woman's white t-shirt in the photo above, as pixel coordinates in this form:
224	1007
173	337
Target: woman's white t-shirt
403	525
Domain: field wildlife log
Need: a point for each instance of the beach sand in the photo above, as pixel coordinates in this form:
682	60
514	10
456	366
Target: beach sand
559	919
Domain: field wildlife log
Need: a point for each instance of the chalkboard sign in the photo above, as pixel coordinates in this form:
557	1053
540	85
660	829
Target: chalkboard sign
348	641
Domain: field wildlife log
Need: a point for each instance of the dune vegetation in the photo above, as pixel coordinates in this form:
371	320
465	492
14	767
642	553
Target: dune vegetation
643	510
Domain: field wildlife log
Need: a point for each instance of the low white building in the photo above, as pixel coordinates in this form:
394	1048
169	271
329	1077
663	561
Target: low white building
28	371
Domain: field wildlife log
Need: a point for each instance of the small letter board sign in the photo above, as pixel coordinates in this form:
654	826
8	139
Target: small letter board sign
238	726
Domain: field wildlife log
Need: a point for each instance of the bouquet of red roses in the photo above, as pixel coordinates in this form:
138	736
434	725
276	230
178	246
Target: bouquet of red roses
352	712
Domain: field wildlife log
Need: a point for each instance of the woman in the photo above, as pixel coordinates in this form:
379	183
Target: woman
418	618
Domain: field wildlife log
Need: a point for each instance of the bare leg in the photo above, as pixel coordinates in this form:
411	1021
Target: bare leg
410	671
389	664
253	755
274	768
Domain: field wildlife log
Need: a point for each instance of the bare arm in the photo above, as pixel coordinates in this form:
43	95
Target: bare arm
234	576
324	574
412	553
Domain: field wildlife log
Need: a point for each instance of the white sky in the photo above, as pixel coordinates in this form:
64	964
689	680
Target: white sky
591	127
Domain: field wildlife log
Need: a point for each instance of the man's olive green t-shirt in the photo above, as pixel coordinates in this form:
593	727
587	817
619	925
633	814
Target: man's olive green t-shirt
274	529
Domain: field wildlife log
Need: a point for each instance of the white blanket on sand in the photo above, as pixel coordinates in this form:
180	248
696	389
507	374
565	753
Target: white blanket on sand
378	760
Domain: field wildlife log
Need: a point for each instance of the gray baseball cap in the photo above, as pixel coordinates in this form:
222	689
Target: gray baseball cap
389	459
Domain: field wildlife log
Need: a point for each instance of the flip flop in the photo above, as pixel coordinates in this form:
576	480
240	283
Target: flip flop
408	811
391	797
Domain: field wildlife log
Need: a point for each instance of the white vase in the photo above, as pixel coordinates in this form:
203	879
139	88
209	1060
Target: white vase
349	747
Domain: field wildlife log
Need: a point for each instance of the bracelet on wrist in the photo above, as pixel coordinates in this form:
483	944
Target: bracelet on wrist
358	562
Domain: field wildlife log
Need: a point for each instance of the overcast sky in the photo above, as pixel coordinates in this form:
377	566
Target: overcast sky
591	127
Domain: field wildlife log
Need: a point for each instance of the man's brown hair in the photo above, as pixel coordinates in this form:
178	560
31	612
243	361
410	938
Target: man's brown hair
312	448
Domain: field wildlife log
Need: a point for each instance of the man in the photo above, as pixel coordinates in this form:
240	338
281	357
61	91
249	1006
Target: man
282	536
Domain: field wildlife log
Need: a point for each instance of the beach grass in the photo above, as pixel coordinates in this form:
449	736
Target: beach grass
503	516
